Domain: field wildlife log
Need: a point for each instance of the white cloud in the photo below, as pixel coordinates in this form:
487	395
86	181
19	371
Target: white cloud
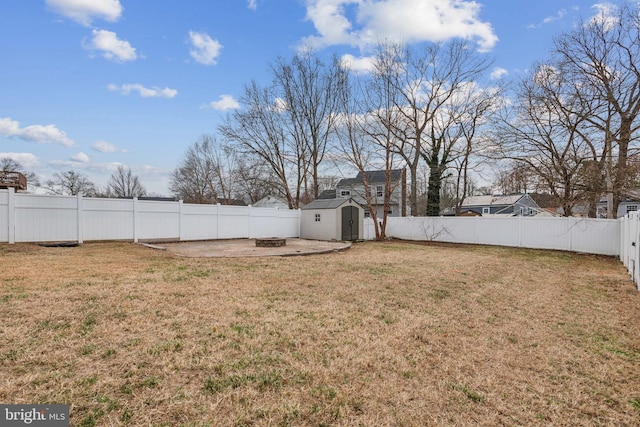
252	4
111	46
549	19
498	73
40	134
26	160
154	92
605	15
204	50
84	11
80	158
561	13
365	23
106	147
226	102
363	64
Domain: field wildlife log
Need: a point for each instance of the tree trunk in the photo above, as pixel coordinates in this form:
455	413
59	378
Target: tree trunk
435	185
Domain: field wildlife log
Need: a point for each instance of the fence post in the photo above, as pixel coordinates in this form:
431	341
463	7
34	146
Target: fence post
135	220
217	220
636	249
249	221
180	219
80	209
11	207
475	228
520	219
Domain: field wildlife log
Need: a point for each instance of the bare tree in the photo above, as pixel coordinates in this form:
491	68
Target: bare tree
255	180
206	174
602	58
309	91
71	183
123	183
366	139
545	134
261	129
288	123
434	85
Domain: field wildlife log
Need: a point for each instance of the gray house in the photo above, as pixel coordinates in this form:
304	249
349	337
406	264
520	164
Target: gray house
629	203
511	205
353	188
332	219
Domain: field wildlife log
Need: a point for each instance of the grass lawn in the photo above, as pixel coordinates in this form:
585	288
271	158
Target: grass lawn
384	334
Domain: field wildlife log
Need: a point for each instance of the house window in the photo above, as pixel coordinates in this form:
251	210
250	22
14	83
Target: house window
632	208
318	217
367	214
345	193
486	210
379	191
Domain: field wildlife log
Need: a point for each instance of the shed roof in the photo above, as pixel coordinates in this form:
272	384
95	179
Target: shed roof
325	204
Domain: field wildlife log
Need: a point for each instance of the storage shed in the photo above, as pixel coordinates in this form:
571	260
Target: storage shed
332	219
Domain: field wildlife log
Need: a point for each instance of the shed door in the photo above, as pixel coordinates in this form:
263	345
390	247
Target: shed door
350	223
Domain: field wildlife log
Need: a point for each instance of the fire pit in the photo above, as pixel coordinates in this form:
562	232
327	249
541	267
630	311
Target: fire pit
271	242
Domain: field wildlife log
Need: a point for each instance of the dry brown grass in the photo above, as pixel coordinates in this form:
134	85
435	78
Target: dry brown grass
379	335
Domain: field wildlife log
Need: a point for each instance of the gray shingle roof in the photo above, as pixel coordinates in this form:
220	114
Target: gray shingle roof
325	204
373	177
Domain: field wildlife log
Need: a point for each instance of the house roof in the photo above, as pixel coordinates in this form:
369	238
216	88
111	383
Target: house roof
325	204
373	177
327	194
271	201
492	200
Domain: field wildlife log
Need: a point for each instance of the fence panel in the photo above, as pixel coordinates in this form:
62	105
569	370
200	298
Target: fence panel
45	218
157	220
4	216
40	218
545	233
108	219
597	236
199	222
263	222
630	245
288	223
233	222
601	236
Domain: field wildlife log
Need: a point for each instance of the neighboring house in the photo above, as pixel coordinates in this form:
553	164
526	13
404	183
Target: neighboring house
511	205
272	202
14	180
629	203
354	188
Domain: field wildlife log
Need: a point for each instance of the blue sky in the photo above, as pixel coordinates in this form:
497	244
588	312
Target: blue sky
88	85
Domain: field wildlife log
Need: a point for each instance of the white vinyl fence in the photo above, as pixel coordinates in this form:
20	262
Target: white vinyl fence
596	236
44	218
630	244
619	237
